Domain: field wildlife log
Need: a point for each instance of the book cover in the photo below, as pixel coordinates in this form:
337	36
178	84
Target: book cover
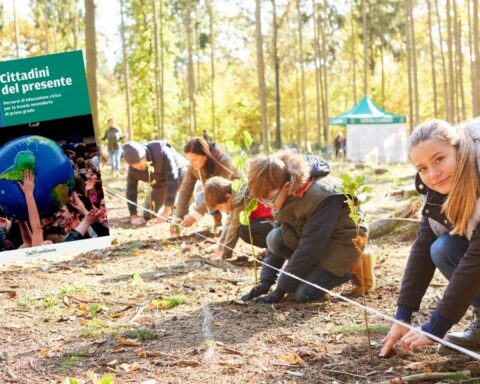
51	195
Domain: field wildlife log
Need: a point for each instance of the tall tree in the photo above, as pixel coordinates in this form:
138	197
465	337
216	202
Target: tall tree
212	66
457	31
317	73
91	56
408	48
414	61
158	84
476	50
162	76
262	93
451	67
276	66
325	99
302	71
126	74
365	55
444	66
191	74
354	63
432	59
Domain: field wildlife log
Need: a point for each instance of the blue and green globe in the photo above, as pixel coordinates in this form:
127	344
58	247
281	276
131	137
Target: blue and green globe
54	178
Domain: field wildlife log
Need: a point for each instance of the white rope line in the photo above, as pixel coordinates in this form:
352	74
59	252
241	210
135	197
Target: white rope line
331	293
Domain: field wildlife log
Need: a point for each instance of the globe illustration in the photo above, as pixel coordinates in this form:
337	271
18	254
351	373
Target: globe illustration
54	178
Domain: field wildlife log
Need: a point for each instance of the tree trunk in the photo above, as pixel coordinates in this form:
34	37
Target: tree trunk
297	93
414	62
459	60
191	69
354	64
212	67
262	94
451	68
17	35
276	64
444	66
324	75
432	60
408	47
302	71
196	46
157	69
126	74
91	58
162	77
317	74
476	50
365	56
470	50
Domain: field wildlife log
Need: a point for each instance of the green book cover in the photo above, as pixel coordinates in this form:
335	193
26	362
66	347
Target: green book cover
51	195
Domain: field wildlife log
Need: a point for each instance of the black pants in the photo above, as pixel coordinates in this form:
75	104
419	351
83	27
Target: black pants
260	229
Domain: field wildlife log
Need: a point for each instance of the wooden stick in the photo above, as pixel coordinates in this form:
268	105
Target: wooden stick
427	376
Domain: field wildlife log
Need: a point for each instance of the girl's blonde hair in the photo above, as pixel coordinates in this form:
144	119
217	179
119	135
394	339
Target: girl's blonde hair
462	198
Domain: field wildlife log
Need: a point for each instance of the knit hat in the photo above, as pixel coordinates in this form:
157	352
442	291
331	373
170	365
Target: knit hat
133	152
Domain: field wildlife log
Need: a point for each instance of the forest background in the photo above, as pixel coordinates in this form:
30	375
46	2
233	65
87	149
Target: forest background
276	68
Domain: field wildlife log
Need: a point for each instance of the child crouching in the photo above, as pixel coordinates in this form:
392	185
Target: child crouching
314	230
219	195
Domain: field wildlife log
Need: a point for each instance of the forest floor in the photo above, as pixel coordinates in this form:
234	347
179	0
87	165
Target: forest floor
153	309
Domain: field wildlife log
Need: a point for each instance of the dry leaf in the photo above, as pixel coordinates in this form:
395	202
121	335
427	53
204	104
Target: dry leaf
134	367
66	301
142	353
418	366
128	342
291	358
45	352
92	376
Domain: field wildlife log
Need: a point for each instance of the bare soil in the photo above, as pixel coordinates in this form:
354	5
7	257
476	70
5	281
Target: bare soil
106	312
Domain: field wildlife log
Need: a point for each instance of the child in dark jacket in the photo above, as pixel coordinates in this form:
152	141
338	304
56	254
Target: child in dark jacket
448	237
314	230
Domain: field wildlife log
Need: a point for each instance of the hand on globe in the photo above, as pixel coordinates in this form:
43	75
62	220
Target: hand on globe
28	185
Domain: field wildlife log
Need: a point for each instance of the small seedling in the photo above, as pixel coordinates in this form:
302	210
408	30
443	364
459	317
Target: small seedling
142	334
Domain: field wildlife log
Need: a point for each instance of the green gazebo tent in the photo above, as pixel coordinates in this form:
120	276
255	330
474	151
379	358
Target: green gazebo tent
373	135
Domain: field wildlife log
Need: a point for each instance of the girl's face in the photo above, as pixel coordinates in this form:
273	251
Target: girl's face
197	162
436	163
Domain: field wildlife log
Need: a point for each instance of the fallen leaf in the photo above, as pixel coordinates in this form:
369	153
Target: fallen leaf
128	342
66	301
45	352
291	358
418	366
294	373
142	353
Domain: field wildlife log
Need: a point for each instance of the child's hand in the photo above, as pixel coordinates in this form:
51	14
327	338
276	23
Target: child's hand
256	291
28	185
275	297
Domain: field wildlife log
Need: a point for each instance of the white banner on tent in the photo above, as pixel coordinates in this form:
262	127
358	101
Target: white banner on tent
377	143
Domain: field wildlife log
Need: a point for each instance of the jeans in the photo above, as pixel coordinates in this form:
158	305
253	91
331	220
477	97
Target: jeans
115	157
316	275
260	229
446	252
